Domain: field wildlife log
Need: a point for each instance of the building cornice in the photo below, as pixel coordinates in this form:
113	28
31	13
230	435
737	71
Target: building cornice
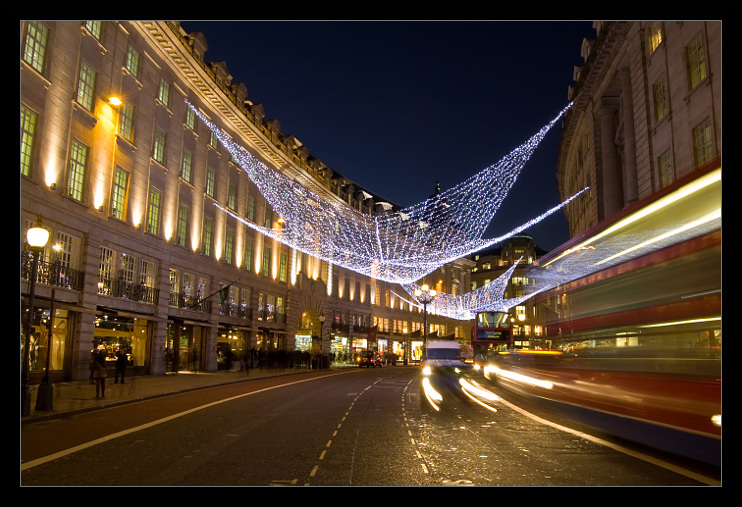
162	37
597	63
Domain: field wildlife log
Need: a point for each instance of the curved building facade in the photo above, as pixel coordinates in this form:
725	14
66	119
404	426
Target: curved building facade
124	177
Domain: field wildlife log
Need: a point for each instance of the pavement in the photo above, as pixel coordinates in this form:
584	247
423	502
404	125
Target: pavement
74	397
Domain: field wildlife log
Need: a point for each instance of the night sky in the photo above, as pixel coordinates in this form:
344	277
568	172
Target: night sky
398	105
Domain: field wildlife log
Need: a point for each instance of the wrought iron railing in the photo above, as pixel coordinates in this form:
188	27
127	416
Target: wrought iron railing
182	300
235	310
51	273
126	290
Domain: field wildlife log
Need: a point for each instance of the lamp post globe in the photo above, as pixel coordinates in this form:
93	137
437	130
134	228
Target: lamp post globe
36	239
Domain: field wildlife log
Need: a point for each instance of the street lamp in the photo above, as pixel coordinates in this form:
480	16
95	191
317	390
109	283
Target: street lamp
321	339
36	238
425	295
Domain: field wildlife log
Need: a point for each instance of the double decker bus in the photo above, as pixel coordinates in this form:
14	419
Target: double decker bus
634	322
492	334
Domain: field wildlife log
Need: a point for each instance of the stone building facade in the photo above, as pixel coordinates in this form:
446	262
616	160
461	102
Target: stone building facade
646	113
139	258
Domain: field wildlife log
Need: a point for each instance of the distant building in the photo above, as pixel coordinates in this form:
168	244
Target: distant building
494	262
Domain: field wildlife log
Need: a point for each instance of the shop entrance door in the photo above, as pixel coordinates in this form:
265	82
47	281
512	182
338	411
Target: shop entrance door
184	346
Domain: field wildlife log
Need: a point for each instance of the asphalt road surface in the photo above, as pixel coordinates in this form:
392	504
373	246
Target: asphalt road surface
355	427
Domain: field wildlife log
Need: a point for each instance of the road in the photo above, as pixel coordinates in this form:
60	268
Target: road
356	427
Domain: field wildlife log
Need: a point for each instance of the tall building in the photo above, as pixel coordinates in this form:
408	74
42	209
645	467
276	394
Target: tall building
646	113
493	263
125	177
644	134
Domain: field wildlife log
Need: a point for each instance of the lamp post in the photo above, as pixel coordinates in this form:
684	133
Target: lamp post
36	239
45	395
425	295
321	340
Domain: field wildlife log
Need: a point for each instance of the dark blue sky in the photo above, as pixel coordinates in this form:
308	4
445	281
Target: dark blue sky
399	105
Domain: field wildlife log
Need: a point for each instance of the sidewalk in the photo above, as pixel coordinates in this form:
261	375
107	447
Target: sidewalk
79	396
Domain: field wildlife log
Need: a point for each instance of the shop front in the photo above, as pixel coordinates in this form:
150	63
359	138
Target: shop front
126	334
185	348
232	349
49	340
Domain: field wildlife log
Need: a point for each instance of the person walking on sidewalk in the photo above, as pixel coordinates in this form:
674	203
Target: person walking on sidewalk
99	373
120	366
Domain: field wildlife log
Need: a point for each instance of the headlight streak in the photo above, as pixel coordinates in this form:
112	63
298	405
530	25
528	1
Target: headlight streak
517	377
478	394
433	396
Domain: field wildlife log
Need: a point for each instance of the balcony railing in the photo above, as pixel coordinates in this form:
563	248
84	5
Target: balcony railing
126	290
235	310
51	273
182	300
269	316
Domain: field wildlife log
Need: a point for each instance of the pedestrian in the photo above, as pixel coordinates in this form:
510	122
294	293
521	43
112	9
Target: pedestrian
99	373
120	366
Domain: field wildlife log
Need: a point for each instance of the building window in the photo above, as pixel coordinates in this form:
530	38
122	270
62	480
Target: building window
28	134
76	176
95	28
207	236
105	269
126	122
213	141
229	246
118	194
131	61
232	196
182	228
158	152
268	219
34	52
248	254
665	168
655	36
86	87
659	93
251	208
702	147
67	250
266	261
283	268
163	92
190	119
187	170
696	63
210	182
153	211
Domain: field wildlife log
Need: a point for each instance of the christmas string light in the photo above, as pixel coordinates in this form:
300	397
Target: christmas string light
398	247
691	211
489	297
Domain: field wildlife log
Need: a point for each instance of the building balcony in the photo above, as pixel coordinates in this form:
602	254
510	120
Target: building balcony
118	288
51	273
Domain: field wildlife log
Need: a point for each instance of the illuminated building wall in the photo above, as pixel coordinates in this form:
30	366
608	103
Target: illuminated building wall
128	189
646	112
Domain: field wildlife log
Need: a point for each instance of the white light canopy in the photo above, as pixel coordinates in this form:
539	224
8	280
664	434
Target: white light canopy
396	246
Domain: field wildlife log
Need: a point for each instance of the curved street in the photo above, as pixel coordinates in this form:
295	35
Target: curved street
347	427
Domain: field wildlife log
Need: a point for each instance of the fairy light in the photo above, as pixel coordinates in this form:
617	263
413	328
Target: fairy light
397	247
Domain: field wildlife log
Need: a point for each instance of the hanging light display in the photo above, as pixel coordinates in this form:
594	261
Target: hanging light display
397	246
